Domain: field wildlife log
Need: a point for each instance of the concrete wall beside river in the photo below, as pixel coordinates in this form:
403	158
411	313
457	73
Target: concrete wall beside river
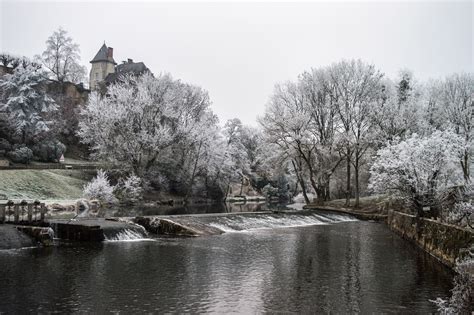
444	241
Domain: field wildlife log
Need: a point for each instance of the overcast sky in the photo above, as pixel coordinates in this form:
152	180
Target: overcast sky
238	51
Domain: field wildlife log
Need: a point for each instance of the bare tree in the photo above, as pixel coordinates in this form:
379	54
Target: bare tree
62	58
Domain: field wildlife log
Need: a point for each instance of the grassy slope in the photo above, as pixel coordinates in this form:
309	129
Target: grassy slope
42	184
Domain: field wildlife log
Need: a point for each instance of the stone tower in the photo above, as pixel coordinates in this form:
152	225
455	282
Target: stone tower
102	64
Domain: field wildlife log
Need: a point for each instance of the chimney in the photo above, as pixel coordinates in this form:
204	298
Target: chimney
110	52
130	60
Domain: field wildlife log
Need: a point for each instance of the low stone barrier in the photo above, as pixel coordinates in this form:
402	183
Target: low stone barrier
43	235
78	232
178	226
444	241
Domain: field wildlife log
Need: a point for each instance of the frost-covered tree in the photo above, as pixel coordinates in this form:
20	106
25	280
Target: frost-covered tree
357	92
62	58
286	124
457	100
100	188
141	119
418	169
25	101
318	91
400	112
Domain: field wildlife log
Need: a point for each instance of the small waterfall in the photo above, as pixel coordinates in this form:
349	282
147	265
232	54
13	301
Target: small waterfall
272	221
129	234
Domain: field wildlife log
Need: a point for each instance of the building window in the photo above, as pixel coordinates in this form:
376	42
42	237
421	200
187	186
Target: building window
96	76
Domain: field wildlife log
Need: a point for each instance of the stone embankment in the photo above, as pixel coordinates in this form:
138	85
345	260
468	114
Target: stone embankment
444	241
15	237
360	214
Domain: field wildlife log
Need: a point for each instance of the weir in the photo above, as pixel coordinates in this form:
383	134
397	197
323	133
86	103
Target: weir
144	228
214	224
139	228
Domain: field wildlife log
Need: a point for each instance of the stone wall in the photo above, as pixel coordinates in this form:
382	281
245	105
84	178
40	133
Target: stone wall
444	241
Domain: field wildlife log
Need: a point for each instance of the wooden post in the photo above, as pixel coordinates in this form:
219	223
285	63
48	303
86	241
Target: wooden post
16	215
3	213
37	209
30	212
24	208
43	211
9	208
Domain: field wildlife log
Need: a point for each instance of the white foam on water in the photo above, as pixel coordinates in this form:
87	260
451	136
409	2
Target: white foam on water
128	235
247	224
296	205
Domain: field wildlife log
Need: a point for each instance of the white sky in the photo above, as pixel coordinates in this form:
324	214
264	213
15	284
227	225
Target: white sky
238	51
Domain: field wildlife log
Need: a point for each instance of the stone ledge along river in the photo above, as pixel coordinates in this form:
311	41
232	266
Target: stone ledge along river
291	263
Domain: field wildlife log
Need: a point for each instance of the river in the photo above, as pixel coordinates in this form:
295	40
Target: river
343	266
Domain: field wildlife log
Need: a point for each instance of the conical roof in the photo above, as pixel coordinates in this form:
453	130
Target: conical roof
102	55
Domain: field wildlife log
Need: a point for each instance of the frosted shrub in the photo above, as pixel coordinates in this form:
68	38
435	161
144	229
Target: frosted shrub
269	191
463	291
21	155
130	189
49	151
418	169
100	188
461	214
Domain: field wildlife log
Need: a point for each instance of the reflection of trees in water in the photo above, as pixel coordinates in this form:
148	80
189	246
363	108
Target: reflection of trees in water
244	207
41	279
355	267
187	209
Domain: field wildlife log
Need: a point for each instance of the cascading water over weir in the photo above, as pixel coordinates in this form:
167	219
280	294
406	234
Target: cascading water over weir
197	225
140	228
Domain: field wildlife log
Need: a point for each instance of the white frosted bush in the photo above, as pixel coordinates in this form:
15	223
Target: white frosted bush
463	291
100	188
130	189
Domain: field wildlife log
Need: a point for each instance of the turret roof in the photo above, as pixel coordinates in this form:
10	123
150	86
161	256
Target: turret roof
102	55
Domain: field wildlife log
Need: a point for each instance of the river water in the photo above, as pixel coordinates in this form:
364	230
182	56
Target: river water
342	266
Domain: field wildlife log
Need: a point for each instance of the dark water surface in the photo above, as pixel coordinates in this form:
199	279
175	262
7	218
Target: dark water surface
339	268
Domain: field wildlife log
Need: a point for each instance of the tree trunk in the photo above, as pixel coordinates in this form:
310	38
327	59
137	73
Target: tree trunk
327	190
465	166
190	187
348	177
301	181
356	175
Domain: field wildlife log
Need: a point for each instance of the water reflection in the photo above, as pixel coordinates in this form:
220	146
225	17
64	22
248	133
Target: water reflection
192	209
340	268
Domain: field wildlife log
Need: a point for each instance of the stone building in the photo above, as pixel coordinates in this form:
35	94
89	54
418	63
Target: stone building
102	65
105	70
